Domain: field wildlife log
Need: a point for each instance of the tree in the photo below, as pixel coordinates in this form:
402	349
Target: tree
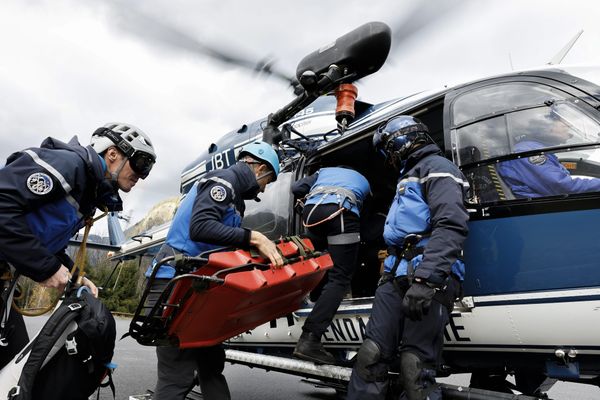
119	284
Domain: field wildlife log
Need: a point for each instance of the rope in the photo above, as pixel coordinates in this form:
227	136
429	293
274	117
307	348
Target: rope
80	257
78	267
332	216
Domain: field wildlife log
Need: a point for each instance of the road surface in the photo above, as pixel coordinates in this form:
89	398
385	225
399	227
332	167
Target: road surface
136	373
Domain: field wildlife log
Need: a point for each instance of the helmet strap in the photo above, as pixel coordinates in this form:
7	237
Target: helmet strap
251	165
263	175
114	176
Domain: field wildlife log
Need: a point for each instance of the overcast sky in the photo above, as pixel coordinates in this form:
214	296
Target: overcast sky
69	66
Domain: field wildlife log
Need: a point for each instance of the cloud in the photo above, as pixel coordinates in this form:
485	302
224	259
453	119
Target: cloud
70	66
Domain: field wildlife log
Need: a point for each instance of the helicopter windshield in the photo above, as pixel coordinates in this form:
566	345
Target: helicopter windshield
557	126
522	134
496	99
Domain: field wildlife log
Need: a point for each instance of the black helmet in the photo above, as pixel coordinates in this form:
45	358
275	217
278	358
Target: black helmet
395	138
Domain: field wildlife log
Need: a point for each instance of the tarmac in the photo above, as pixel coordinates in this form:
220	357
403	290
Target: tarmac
136	375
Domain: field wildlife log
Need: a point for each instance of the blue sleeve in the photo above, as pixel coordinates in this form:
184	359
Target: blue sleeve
207	215
18	245
552	178
449	218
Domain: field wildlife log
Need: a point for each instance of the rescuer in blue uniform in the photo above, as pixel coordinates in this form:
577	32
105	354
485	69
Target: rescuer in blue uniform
209	217
334	197
421	280
542	174
46	195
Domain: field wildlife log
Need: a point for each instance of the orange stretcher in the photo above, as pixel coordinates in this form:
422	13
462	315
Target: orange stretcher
232	291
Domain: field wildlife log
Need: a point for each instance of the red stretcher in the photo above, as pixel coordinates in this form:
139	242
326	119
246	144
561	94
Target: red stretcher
230	293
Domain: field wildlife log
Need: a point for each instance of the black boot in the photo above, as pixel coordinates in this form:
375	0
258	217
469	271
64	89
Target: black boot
309	348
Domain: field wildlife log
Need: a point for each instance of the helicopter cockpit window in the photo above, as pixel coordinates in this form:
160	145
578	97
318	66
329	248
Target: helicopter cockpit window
537	151
270	216
498	99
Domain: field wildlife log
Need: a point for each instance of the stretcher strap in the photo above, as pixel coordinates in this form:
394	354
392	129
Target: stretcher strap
302	249
254	252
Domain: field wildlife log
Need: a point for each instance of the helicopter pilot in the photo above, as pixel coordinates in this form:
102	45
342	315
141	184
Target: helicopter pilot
543	174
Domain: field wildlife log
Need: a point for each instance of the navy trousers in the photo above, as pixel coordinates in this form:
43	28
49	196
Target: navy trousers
344	257
175	368
394	334
176	373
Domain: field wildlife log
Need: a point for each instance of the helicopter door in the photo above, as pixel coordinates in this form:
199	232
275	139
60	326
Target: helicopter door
523	236
271	215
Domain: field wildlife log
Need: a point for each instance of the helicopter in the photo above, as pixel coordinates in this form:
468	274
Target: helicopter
532	286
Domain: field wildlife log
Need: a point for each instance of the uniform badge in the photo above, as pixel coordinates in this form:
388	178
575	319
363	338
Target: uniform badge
218	193
538	160
39	183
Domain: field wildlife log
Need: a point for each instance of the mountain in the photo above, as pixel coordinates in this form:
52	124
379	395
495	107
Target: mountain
158	215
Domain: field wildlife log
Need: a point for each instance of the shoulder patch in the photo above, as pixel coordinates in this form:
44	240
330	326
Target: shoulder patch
538	160
40	183
218	193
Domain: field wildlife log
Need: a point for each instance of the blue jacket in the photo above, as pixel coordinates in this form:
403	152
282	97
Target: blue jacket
211	214
430	201
541	175
46	194
336	177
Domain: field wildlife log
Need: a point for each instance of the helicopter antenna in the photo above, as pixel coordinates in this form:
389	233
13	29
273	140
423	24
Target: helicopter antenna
563	52
512	67
125	216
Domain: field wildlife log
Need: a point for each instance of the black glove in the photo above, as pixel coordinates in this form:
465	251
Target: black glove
417	300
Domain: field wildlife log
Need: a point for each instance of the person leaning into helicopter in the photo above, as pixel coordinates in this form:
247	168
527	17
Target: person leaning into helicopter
421	281
543	174
334	197
46	195
209	217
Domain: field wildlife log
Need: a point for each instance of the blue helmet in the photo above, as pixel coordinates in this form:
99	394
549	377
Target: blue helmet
264	152
395	138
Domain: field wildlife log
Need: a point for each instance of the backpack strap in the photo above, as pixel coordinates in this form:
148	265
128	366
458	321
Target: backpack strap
109	370
8	281
37	351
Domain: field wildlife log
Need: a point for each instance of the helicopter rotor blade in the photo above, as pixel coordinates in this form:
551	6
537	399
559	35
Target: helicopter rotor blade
150	29
423	16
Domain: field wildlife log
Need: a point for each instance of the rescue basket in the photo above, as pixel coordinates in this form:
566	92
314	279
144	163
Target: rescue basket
226	292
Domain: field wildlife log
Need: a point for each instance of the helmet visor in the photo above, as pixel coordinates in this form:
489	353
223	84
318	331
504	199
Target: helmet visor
141	163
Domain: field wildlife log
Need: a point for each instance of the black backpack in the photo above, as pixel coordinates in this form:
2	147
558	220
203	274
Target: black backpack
83	358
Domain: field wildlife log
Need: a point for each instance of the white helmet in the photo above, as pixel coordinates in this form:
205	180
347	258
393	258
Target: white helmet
132	141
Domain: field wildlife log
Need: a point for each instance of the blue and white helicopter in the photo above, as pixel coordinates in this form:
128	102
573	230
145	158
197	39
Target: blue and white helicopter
532	289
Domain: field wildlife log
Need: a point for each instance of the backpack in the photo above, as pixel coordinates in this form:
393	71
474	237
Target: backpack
70	356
